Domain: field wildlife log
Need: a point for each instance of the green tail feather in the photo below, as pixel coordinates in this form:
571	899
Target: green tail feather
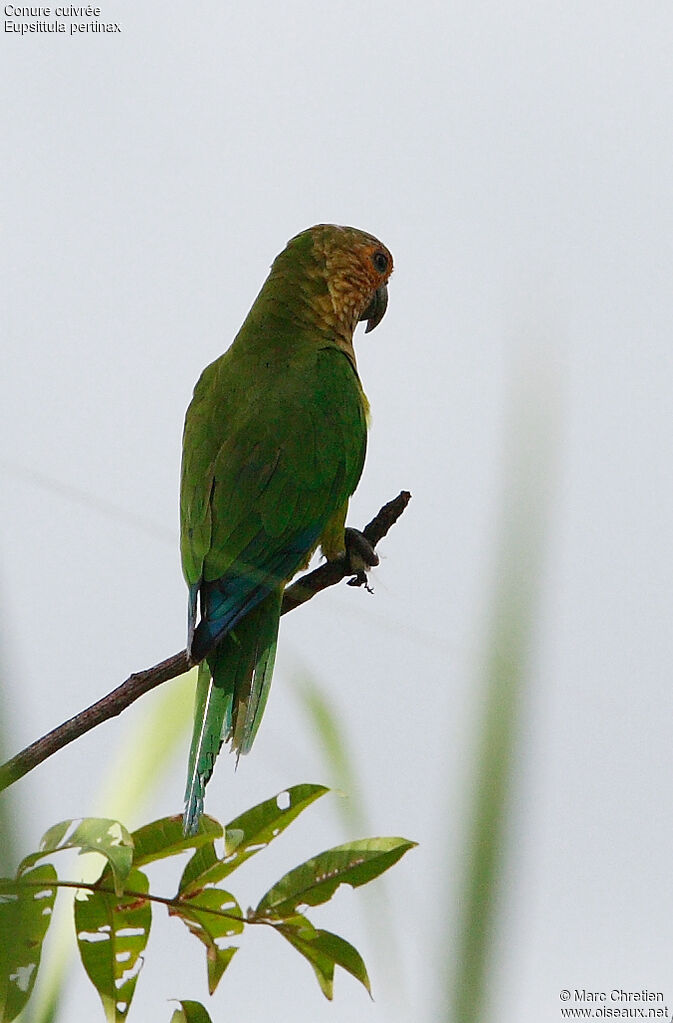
251	696
231	693
212	720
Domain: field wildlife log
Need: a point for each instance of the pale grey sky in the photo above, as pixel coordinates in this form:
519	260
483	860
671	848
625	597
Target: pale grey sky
517	159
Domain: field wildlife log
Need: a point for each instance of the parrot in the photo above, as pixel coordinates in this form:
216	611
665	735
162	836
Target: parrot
273	448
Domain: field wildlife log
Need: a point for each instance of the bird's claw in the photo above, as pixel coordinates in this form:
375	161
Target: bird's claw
360	557
360	579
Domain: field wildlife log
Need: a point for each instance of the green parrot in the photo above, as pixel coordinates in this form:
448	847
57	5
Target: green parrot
273	447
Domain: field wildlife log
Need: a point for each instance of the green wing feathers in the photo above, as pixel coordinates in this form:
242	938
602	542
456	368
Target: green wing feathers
289	455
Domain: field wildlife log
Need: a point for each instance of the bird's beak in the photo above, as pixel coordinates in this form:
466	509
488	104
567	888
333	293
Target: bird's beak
376	309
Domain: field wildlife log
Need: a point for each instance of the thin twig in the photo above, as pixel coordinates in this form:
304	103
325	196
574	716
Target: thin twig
141	682
175	906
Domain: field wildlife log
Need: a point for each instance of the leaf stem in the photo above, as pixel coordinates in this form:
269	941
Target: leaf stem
174	903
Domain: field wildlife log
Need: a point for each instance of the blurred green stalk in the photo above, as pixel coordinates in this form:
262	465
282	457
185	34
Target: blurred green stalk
329	732
530	438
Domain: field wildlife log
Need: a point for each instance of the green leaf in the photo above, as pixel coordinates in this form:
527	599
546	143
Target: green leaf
90	834
191	1012
324	951
213	916
165	837
315	881
248	834
112	933
26	906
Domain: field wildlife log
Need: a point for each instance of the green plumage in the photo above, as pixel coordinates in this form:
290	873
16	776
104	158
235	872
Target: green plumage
274	445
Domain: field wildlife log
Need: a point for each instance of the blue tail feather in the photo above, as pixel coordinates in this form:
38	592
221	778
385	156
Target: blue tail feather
225	601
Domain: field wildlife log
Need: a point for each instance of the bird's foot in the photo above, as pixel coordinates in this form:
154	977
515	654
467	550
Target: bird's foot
360	557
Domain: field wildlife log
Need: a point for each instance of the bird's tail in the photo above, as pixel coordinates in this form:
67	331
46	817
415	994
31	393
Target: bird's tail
212	711
231	693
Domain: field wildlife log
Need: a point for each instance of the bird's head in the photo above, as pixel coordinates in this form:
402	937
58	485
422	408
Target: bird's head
354	268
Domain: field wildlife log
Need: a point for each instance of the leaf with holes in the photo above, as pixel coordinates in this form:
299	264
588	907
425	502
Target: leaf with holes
165	837
248	834
112	933
190	1012
324	951
90	834
315	881
213	916
26	906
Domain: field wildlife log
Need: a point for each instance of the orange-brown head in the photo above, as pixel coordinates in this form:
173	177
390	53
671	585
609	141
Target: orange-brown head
342	274
357	270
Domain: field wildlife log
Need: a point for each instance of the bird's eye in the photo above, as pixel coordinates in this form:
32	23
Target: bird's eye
380	261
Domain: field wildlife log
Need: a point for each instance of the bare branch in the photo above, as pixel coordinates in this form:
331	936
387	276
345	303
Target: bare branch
141	682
